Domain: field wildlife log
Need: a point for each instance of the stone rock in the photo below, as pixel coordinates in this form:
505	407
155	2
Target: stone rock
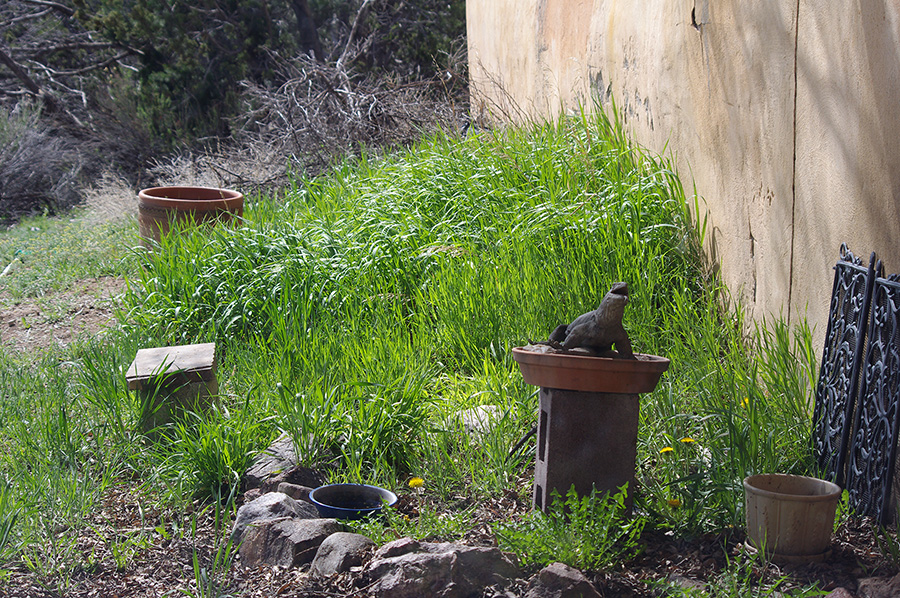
274	505
479	420
279	457
285	542
295	491
398	548
252	494
560	581
296	476
407	568
840	593
879	587
339	552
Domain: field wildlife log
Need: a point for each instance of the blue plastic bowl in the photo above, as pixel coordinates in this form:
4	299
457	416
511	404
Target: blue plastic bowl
350	501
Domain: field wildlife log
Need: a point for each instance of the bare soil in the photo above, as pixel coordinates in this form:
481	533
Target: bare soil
57	319
155	563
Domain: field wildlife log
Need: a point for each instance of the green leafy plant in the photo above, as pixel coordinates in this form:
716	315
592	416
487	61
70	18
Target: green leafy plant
888	539
431	523
212	449
744	576
311	420
590	532
843	512
9	513
210	579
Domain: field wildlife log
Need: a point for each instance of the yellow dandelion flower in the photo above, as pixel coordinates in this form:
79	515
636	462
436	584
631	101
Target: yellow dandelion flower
687	440
666	449
416	483
673	503
745	402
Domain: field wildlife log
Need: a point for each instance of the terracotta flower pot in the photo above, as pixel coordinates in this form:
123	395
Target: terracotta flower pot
159	206
585	373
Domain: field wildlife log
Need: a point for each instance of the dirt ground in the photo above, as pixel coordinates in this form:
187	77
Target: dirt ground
87	307
57	319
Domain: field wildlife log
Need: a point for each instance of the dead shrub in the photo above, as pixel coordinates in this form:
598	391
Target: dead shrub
39	168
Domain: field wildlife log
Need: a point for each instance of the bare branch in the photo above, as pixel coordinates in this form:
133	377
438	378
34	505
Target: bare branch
363	9
42	50
54	5
86	69
19	72
28	17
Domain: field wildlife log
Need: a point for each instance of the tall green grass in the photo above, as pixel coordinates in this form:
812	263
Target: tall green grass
429	266
360	312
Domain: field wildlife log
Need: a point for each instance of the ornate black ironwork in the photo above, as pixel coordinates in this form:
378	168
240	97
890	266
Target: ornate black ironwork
838	385
873	448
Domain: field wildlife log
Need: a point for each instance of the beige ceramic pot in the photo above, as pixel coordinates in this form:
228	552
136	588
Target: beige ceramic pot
158	207
790	517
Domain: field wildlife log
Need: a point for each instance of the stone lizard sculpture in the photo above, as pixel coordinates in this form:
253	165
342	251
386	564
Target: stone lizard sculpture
600	329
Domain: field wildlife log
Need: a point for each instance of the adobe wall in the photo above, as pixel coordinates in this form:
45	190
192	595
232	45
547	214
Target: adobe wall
729	89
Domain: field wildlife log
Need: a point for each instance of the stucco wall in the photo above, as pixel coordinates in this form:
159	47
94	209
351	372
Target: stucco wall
784	115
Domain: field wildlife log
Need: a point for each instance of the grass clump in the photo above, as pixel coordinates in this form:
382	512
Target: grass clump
46	254
399	287
586	532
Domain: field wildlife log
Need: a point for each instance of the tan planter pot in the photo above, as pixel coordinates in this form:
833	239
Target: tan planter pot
790	517
159	206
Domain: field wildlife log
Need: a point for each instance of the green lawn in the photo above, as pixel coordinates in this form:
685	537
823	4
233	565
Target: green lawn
359	311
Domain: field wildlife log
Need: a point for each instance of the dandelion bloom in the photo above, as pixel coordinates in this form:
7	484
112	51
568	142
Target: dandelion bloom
745	402
687	440
666	449
416	483
673	503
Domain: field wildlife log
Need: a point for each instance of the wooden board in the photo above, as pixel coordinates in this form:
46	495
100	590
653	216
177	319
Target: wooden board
195	361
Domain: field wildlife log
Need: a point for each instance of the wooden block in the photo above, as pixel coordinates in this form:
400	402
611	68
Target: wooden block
172	380
181	364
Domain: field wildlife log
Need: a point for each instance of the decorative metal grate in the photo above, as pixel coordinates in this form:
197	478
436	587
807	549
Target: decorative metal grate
838	385
873	448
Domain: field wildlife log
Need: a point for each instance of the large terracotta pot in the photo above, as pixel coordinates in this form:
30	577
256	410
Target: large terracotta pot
585	373
159	206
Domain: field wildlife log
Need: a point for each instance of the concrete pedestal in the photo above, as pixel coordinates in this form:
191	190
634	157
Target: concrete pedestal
585	439
172	380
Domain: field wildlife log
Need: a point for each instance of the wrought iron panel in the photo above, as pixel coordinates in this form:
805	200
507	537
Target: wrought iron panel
838	386
870	469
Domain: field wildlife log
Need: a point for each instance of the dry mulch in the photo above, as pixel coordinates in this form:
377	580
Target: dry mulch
161	564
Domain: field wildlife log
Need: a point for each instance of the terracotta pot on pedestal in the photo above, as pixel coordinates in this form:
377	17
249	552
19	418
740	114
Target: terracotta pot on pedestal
587	427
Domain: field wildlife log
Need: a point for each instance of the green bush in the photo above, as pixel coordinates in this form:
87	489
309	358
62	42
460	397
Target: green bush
591	532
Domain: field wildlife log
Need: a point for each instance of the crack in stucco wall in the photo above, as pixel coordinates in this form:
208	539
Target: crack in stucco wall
793	167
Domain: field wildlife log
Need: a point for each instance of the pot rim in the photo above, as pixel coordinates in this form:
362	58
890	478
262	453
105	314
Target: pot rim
833	489
183	193
587	373
643	361
393	498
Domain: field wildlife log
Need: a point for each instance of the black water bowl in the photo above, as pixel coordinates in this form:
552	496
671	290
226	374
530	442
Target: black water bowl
350	501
